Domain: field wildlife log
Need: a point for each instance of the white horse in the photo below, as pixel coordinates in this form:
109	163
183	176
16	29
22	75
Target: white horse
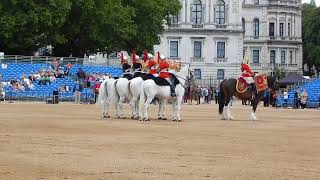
121	93
150	89
105	96
135	90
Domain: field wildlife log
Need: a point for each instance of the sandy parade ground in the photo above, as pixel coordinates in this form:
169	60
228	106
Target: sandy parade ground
68	141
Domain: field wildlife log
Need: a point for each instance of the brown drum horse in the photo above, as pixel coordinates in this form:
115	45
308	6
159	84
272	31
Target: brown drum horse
228	89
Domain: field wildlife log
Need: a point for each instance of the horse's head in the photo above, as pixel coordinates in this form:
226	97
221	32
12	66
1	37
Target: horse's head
273	83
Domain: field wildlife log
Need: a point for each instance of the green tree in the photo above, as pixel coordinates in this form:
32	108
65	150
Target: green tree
150	16
75	27
311	36
29	24
95	24
279	73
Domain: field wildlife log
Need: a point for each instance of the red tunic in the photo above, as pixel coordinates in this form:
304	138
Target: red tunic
164	74
153	71
248	73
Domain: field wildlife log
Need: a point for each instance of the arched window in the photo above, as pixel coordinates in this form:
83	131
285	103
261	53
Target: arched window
243	26
197	12
256	27
220	12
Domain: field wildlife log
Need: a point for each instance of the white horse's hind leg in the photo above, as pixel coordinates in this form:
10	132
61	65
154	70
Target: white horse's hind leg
162	105
133	107
145	109
253	116
120	107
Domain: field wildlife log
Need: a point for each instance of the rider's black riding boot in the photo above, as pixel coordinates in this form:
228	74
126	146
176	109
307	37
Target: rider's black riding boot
172	88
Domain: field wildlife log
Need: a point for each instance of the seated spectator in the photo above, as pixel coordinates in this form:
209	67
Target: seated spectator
60	73
67	88
4	66
62	89
55	64
68	69
44	80
52	78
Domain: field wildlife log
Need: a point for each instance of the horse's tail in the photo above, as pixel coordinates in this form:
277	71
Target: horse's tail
221	98
114	92
142	100
102	92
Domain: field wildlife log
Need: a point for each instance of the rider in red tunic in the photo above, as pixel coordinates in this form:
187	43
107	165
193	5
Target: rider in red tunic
152	65
247	74
164	73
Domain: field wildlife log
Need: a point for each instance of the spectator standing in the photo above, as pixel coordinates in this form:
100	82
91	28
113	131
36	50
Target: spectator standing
296	101
96	88
206	95
81	76
216	95
304	98
266	98
77	92
285	98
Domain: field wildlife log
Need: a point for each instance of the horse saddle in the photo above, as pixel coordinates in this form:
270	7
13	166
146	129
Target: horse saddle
261	82
127	76
242	85
163	82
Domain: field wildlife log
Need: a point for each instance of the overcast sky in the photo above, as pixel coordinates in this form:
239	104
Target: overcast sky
317	2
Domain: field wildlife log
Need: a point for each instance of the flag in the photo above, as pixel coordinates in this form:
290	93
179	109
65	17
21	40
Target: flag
145	56
159	58
133	56
121	58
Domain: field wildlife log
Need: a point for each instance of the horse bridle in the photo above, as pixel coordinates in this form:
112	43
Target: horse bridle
186	79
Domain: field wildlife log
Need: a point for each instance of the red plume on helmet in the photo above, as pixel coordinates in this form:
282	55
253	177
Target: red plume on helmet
159	58
145	56
133	56
121	58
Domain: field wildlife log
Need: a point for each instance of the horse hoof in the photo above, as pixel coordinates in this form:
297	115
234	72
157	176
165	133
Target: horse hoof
174	120
164	118
146	119
106	116
132	117
159	118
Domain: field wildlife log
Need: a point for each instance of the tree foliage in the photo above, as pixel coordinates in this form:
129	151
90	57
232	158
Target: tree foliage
79	26
311	35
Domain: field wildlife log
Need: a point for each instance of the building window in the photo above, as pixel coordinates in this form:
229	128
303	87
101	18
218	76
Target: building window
256	2
272	56
197	49
197	73
243	53
243	26
220	12
221	49
271	29
197	12
281	29
255	56
173	48
220	74
175	19
283	56
256	27
291	57
289	29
